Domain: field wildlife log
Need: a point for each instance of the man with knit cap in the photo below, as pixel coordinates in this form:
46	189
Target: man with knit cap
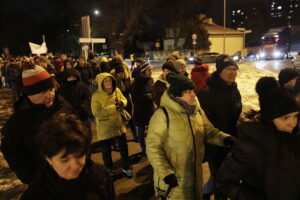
222	104
39	104
175	141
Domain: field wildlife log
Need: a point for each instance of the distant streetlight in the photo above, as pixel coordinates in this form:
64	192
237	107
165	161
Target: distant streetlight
96	12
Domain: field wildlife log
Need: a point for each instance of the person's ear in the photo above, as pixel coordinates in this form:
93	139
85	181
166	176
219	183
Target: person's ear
48	160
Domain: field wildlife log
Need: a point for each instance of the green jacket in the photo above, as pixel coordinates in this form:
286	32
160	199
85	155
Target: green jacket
108	119
179	149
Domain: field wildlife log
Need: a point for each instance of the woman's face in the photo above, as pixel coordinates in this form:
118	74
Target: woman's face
68	167
107	83
286	123
189	97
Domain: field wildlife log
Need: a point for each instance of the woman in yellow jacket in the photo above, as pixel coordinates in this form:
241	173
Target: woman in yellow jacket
106	103
175	141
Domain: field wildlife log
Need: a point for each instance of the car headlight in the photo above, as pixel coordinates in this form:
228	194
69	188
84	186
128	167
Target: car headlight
277	53
191	58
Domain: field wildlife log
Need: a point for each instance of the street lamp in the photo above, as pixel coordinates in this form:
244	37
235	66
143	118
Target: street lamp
96	12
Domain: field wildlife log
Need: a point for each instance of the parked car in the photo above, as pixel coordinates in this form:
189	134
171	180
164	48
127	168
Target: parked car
251	56
207	57
296	62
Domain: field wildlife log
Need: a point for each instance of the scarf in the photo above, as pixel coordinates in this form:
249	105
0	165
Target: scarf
189	109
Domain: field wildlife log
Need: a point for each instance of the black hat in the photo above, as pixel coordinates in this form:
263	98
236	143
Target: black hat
224	61
273	100
179	83
286	75
144	67
169	66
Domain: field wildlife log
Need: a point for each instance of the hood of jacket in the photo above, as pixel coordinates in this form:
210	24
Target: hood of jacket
71	72
215	81
201	68
100	77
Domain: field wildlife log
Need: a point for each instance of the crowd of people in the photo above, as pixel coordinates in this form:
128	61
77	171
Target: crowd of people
180	121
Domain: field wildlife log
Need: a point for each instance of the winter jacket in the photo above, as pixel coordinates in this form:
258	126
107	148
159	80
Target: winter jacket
48	185
18	146
159	87
179	148
141	90
263	165
222	105
108	118
77	94
199	75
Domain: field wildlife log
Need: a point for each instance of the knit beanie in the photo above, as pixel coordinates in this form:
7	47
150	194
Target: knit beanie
169	66
224	61
286	75
36	80
273	100
179	83
179	63
144	67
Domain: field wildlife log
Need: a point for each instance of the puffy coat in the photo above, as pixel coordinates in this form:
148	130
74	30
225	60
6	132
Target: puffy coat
108	119
264	164
179	149
199	74
18	146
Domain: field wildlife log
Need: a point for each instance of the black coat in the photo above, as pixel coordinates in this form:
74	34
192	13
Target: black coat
90	185
18	145
77	94
222	105
143	106
263	165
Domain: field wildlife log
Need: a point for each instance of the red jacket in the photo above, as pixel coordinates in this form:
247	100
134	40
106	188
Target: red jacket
199	75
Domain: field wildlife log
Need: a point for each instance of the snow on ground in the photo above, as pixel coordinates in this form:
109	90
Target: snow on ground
247	77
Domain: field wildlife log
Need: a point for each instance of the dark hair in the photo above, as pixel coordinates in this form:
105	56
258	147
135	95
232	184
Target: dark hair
65	132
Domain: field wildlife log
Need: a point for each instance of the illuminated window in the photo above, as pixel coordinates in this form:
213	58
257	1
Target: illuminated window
238	11
279	7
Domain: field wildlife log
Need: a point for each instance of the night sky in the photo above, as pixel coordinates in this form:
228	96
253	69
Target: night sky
22	21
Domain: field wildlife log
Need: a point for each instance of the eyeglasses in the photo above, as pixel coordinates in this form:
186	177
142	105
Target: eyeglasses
232	69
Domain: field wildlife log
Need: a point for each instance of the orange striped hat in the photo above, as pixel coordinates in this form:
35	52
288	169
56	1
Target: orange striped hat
36	80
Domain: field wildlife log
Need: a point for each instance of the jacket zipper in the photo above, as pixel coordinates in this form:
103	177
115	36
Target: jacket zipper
195	157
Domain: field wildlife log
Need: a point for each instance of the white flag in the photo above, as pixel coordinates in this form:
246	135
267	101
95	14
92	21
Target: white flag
38	49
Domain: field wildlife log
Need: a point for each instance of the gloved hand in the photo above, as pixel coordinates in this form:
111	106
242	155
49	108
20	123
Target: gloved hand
171	180
229	141
119	104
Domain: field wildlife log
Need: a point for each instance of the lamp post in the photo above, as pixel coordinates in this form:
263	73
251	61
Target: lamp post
224	24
